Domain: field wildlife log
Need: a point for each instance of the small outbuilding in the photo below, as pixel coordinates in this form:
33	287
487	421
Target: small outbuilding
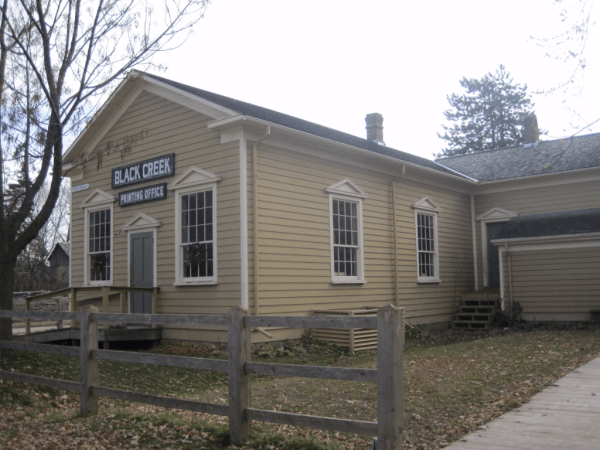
58	259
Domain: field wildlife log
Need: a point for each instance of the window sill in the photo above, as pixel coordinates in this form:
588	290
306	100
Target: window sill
429	281
195	283
348	281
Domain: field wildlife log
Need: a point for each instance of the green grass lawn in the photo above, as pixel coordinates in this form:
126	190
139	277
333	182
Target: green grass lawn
454	383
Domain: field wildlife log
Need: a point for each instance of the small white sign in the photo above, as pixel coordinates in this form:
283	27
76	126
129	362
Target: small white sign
81	187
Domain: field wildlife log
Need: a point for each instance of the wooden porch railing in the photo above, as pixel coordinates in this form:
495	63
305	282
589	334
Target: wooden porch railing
105	291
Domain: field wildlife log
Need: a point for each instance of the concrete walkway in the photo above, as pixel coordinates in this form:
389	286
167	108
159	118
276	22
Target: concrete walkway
563	416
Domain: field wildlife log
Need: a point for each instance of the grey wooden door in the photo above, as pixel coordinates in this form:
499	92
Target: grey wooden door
493	266
141	271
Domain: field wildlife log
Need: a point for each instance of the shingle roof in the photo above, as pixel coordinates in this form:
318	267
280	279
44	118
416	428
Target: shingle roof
551	224
560	155
305	126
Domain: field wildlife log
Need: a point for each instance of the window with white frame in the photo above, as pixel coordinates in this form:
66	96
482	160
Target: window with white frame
346	227
98	243
345	238
196	227
197	247
426	212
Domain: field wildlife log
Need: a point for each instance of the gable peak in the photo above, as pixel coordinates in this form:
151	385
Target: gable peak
346	187
140	220
497	213
98	197
194	176
427	204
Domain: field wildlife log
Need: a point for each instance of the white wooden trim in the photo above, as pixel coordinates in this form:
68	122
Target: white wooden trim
551	242
97	198
179	281
474	233
71	238
497	215
426	204
436	260
199	177
346	187
494	215
360	278
151	229
244	222
501	276
140	221
86	244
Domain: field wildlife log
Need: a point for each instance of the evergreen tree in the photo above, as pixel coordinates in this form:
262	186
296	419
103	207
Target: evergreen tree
488	115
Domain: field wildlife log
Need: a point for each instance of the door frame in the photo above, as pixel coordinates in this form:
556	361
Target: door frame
494	215
136	231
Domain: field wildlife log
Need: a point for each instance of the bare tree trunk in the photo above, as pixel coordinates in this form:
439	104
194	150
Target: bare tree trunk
7	269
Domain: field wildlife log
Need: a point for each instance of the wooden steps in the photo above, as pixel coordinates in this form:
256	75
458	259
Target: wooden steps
477	310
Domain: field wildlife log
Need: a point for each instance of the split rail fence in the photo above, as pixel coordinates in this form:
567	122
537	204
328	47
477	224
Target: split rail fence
388	375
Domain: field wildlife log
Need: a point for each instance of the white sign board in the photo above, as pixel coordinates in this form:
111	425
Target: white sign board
81	187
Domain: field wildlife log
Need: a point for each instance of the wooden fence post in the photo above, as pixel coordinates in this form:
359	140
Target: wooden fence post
154	304
59	323
27	321
390	383
105	292
73	305
239	343
123	302
88	367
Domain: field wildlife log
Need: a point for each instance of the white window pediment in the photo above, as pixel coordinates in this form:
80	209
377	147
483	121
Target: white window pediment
139	221
426	204
346	187
193	177
498	214
97	198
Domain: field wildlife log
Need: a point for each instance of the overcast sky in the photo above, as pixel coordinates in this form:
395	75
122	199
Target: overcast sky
333	61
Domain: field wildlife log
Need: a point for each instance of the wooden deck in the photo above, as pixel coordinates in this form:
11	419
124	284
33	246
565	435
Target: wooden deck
110	335
563	416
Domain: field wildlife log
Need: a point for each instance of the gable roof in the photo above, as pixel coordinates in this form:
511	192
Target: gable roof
268	115
546	157
65	246
551	224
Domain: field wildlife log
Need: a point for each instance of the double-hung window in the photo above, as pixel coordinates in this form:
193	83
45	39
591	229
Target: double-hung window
197	245
98	242
346	230
426	212
195	227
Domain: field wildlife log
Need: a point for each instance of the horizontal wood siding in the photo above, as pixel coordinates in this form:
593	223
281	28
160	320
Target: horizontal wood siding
555	285
294	240
170	128
565	197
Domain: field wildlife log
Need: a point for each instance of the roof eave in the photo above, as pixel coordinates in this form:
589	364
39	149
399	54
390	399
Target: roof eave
542	239
237	121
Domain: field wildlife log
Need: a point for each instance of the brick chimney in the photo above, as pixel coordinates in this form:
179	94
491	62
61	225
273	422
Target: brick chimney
531	133
375	128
